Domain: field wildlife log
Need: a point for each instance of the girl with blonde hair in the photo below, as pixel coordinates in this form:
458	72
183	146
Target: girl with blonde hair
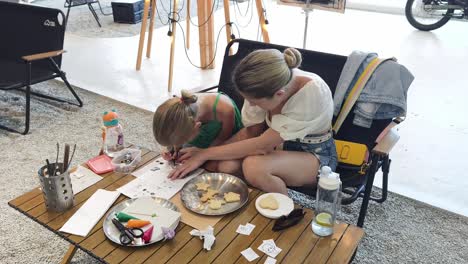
297	109
199	120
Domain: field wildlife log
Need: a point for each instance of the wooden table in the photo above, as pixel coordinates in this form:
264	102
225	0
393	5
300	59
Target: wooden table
298	243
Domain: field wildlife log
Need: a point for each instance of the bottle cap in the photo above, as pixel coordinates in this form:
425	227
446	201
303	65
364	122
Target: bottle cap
329	180
325	171
110	119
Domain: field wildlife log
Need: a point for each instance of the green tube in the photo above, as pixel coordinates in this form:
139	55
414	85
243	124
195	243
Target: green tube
123	217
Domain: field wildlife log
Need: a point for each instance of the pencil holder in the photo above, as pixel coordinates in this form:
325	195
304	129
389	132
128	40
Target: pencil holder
56	188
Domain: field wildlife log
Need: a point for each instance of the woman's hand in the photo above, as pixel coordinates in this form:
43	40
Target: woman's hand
187	153
185	168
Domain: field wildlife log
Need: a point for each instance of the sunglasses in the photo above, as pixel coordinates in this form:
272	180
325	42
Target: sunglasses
289	220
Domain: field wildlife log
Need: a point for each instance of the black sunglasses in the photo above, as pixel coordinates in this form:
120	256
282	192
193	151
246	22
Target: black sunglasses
289	220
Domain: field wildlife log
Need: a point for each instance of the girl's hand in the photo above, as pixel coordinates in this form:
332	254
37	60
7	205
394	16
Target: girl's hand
166	155
187	153
185	168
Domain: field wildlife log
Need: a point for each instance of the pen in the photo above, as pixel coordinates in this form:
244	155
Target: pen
49	168
174	154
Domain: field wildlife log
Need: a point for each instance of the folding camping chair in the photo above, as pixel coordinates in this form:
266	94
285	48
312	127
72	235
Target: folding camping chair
329	67
31	51
74	3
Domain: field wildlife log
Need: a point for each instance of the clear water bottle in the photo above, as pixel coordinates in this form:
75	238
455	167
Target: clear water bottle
328	202
113	141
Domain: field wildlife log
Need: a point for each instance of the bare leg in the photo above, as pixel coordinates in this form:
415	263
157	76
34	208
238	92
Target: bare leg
233	167
278	169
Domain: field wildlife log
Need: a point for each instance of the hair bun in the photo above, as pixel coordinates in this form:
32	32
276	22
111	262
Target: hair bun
292	57
188	97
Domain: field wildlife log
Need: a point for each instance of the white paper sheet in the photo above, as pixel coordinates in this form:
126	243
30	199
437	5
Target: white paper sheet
82	178
270	260
158	166
90	212
250	254
245	229
155	183
269	247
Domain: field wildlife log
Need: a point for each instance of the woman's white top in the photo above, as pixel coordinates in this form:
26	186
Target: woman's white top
308	111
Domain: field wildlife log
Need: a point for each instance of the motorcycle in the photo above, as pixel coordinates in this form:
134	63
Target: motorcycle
428	15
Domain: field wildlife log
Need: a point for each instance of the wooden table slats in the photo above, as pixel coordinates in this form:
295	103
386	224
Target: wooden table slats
299	244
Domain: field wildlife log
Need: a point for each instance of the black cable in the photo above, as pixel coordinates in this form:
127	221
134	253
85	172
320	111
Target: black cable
238	20
159	17
216	45
236	3
164	8
181	7
209	17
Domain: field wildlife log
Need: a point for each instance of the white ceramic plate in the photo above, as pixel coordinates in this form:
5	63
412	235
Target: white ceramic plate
285	206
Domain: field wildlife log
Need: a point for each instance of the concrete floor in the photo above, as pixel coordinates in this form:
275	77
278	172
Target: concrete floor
428	160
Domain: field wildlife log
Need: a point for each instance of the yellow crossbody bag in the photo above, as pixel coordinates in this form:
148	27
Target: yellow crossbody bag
352	153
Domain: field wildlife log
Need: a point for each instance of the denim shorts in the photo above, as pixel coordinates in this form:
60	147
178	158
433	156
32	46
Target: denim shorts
324	151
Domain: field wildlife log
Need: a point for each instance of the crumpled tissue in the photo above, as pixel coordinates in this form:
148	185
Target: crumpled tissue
207	235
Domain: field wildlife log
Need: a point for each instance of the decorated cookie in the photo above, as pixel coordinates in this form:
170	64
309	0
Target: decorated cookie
202	186
216	204
269	202
208	195
231	197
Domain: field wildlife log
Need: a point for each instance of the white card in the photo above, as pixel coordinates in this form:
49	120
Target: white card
90	212
249	254
155	183
270	260
245	229
269	247
156	167
82	178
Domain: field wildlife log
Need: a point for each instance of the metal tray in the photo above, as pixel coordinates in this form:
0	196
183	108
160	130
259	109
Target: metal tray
221	182
111	231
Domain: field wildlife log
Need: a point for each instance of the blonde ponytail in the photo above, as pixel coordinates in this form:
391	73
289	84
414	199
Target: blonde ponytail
174	120
188	97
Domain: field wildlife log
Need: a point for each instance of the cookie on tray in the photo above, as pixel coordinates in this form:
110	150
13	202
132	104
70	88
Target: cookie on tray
231	197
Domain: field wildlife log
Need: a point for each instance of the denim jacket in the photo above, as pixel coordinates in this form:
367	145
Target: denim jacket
383	97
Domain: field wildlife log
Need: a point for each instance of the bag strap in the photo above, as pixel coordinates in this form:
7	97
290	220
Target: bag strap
356	91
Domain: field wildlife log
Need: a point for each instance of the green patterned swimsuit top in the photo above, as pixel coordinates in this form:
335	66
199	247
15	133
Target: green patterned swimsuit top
210	130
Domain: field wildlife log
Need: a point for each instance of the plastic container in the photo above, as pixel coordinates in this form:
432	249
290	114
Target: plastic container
100	164
127	160
328	202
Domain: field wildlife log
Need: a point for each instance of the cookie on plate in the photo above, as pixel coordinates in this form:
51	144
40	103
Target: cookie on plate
216	204
231	197
202	186
269	202
208	195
